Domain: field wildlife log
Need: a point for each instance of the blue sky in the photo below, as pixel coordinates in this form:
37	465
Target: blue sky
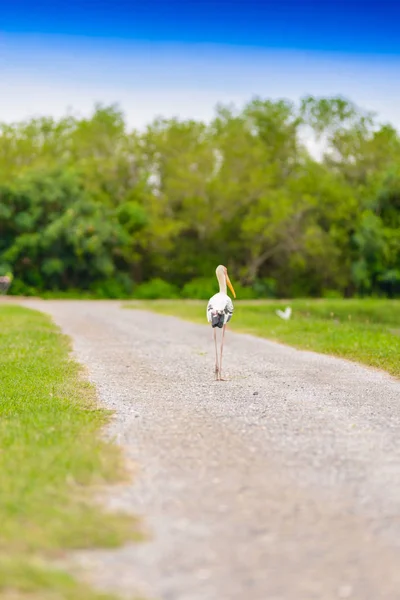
342	25
181	58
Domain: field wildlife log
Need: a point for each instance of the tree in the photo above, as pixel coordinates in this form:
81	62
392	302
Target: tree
87	203
54	234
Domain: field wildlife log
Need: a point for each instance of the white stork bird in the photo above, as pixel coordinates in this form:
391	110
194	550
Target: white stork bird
219	312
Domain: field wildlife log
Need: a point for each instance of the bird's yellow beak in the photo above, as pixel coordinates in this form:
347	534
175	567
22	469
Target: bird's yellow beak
228	281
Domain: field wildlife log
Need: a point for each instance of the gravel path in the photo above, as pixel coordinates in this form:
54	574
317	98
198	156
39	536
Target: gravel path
280	484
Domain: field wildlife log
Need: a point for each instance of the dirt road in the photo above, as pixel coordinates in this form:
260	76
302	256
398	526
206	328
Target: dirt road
280	484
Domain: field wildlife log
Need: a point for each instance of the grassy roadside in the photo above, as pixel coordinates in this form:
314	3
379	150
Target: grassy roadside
51	462
365	331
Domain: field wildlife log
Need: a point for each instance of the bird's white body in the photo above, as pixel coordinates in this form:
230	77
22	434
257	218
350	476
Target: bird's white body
220	304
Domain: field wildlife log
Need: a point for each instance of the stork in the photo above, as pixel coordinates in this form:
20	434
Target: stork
219	312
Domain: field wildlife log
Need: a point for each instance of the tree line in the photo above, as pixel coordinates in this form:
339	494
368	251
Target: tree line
89	206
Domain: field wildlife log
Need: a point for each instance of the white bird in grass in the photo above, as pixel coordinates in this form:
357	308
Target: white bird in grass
219	312
285	314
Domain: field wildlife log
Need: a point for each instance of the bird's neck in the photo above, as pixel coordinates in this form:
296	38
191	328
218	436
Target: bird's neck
222	283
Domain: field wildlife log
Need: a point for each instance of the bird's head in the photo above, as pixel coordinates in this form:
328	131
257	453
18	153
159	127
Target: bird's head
222	271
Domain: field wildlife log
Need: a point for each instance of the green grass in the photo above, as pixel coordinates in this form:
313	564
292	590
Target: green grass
366	331
52	462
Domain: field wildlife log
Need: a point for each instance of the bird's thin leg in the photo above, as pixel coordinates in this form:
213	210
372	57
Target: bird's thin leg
220	359
216	355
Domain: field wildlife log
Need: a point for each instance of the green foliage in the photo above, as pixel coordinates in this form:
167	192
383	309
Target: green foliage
86	205
201	288
155	289
20	288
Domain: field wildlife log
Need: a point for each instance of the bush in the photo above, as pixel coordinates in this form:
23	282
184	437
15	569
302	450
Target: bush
332	294
244	293
156	289
113	288
201	288
19	288
265	288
